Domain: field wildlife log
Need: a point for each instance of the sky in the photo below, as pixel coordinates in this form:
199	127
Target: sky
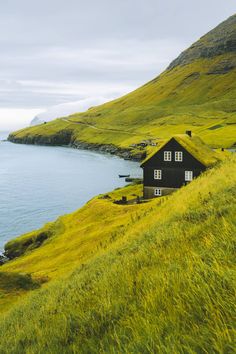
56	51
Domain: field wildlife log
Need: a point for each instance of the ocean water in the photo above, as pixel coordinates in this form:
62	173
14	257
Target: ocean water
38	183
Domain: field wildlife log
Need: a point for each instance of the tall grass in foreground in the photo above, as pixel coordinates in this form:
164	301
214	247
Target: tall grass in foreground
167	286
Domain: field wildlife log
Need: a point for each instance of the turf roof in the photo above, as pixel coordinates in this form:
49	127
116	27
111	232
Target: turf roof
195	146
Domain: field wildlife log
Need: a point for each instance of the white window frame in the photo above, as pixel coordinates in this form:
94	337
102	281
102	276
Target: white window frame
167	155
178	156
157	192
188	176
157	174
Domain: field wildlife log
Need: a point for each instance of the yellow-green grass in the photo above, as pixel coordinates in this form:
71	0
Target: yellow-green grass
71	240
163	283
13	286
184	98
79	234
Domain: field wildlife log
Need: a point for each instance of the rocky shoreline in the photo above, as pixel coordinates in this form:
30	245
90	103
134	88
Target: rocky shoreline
65	138
3	259
126	154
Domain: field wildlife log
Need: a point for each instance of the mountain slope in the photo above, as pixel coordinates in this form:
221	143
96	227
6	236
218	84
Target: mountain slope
162	282
196	92
217	42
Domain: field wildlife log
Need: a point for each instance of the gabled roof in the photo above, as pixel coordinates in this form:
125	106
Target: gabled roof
195	146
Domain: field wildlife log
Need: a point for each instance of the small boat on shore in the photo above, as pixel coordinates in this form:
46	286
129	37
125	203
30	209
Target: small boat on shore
124	176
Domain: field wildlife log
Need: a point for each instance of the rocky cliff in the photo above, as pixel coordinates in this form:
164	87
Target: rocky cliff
220	40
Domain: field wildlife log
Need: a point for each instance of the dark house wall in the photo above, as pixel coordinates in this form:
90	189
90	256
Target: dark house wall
173	172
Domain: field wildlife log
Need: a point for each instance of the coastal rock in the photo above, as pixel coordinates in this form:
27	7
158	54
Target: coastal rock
63	137
16	248
3	260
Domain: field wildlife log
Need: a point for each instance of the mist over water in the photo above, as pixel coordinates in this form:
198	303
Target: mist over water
38	183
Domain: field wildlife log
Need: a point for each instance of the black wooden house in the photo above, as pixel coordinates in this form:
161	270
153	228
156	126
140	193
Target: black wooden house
175	163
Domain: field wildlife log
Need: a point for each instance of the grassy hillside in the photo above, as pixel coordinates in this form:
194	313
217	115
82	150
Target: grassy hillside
196	92
70	241
154	277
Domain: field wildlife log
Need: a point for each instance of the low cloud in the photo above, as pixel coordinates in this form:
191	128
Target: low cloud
66	109
57	51
11	119
64	74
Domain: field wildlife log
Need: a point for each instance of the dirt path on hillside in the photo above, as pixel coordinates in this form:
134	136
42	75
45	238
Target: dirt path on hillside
101	129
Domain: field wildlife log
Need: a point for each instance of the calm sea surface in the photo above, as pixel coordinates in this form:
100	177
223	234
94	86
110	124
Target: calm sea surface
37	183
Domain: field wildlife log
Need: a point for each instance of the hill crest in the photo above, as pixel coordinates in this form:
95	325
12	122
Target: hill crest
220	40
197	93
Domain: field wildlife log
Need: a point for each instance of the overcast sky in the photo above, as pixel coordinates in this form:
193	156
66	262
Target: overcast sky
58	51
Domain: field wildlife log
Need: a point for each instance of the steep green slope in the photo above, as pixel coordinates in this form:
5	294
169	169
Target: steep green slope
165	283
196	92
70	241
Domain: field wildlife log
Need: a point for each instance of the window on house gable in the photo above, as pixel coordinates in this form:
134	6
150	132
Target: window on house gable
157	192
188	175
178	156
167	155
157	174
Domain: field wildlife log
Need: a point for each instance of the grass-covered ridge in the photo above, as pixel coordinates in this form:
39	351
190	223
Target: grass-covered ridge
184	98
165	282
197	94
